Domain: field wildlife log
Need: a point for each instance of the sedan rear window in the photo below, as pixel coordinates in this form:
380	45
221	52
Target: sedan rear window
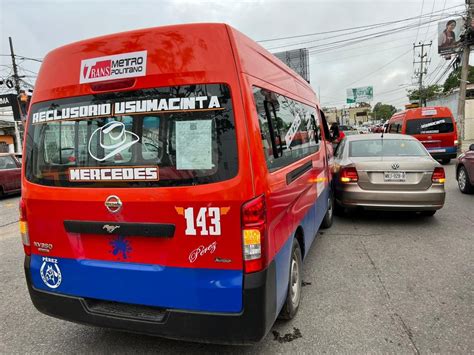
430	125
386	148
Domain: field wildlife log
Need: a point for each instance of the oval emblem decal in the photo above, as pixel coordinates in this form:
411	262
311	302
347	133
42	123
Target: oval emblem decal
113	204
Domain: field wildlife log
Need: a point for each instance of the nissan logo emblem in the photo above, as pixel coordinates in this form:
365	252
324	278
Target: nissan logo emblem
395	166
113	204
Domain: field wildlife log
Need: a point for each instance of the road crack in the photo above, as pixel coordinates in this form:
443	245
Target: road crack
396	318
7	224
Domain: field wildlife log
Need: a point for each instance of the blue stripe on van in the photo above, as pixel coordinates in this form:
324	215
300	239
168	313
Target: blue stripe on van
153	285
445	149
310	223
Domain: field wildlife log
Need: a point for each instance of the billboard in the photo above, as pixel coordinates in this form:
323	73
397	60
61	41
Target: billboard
10	102
364	94
449	31
296	59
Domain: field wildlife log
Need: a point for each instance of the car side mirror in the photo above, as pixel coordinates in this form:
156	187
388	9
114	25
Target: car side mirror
471	147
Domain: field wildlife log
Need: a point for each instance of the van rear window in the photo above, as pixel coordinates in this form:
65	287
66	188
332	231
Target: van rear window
430	125
174	136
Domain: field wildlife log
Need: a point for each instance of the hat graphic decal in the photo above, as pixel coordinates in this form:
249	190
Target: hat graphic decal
112	137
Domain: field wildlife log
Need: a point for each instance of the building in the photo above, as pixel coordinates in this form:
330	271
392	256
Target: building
451	100
358	115
331	114
9	141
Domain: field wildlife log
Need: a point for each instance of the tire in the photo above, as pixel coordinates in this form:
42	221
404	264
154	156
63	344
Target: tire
445	161
338	209
293	297
428	213
328	217
464	183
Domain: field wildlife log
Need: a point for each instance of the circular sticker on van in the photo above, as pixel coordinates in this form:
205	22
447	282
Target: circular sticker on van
50	272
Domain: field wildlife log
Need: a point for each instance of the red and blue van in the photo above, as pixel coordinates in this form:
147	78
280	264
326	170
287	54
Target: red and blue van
174	179
434	127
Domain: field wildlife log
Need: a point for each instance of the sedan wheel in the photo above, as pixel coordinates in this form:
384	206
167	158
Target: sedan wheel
463	181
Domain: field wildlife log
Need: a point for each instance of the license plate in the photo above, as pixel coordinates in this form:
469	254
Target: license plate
436	150
394	176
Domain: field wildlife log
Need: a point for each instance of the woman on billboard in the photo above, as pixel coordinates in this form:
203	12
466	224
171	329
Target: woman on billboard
447	38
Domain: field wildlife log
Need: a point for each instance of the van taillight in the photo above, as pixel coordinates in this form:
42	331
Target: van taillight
25	238
348	174
253	234
438	176
113	85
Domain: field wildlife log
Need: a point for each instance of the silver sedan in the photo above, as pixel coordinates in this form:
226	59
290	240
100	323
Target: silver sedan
387	172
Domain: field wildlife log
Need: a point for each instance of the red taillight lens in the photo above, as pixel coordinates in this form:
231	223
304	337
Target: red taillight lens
113	85
438	176
348	174
253	234
25	238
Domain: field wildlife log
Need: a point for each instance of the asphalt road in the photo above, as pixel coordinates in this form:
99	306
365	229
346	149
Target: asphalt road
375	282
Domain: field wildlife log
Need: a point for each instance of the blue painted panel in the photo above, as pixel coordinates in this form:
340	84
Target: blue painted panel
153	285
282	266
310	223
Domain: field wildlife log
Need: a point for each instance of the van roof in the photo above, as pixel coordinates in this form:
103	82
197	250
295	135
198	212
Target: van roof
176	55
430	111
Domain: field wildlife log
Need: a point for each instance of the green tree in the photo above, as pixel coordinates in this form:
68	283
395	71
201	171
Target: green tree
427	93
452	81
383	111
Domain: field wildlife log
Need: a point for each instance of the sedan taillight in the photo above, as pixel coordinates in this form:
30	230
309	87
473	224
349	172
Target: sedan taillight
348	174
438	176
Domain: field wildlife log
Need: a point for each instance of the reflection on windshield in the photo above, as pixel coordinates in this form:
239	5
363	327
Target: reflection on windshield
386	148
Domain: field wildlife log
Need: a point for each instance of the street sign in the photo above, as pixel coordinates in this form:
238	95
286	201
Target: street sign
364	94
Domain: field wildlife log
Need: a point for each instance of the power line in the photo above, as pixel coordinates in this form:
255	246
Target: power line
351	28
366	36
380	68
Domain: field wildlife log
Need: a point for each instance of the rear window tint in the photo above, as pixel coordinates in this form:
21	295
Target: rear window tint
171	136
386	148
429	125
7	162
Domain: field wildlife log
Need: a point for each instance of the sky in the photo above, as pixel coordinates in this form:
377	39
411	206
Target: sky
384	62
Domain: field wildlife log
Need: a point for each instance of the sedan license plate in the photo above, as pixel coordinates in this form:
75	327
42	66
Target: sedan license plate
394	176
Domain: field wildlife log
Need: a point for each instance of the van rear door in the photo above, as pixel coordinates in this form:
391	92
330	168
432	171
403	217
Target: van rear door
135	197
437	134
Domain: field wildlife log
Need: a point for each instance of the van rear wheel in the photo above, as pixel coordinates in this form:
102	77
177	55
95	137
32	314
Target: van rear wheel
328	217
445	161
293	297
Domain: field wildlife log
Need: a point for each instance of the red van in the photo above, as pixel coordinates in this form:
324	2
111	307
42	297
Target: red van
174	179
434	127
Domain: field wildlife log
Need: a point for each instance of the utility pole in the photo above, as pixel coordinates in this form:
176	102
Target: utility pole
466	48
16	78
423	67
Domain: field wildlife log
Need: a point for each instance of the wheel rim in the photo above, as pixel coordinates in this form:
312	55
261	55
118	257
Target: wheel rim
295	281
462	179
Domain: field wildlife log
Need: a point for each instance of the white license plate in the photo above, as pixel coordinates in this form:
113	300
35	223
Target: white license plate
436	150
394	176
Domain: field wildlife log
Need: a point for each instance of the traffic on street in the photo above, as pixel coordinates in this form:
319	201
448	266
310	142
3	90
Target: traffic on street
198	183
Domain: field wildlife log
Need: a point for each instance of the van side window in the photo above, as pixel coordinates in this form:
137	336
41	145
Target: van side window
325	126
288	128
395	127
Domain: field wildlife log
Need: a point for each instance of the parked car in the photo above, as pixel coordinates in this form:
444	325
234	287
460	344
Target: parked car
393	172
433	126
10	174
465	171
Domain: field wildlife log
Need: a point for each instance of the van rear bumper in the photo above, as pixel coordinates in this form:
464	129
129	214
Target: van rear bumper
247	327
443	153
